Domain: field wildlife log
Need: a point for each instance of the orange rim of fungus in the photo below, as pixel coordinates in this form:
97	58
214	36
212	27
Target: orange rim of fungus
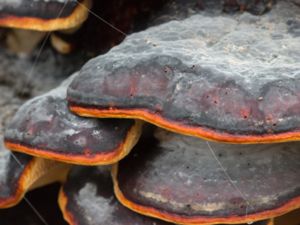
22	185
78	16
172	217
85	159
26	179
62	202
204	133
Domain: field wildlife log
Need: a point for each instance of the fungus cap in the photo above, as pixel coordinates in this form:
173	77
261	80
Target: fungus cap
220	78
187	180
20	173
87	197
43	15
44	127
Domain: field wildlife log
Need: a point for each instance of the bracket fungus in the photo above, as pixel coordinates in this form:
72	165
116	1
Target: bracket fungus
201	77
179	179
87	198
45	127
20	172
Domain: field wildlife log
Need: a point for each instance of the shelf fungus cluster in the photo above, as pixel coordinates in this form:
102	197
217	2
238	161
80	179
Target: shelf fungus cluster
195	120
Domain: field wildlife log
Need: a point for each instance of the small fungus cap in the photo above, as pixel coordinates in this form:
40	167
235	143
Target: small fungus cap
43	15
12	176
187	180
20	173
87	198
220	78
45	127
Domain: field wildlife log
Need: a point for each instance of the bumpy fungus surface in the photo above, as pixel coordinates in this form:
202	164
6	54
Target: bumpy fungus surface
87	198
45	127
231	79
180	179
43	15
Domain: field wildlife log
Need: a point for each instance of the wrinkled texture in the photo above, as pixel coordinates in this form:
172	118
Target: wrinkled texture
91	200
186	176
231	75
45	123
37	8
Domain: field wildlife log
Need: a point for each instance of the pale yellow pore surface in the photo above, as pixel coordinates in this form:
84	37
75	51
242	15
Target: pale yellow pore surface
60	45
23	41
48	171
38	173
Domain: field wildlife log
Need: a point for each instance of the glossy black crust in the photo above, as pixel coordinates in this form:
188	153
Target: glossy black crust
37	8
11	172
46	124
91	201
228	75
179	175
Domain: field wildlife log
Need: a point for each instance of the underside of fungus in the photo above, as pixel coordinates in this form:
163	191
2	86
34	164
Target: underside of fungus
208	80
45	127
187	180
